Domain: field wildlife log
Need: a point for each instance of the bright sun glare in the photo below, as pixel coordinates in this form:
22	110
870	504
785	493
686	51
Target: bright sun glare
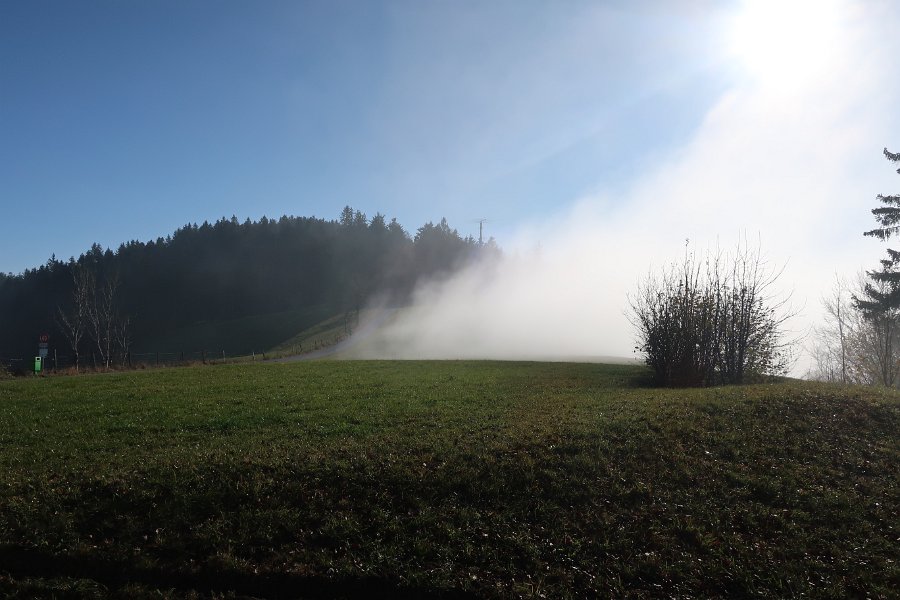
785	42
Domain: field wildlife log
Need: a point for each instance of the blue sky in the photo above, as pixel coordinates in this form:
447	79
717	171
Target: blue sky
126	120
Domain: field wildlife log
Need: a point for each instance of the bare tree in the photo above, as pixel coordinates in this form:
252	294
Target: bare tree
839	308
109	328
855	345
74	322
122	333
829	345
102	317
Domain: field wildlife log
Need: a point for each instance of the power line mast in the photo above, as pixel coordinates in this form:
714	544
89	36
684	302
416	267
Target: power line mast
481	223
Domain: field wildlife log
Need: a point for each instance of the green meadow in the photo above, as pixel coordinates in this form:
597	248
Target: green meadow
345	479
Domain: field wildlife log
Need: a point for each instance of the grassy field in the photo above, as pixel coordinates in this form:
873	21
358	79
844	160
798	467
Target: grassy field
444	479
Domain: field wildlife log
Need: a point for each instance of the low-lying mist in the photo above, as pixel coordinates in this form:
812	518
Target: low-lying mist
533	303
794	168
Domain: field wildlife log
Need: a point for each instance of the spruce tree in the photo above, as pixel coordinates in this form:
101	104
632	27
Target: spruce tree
881	299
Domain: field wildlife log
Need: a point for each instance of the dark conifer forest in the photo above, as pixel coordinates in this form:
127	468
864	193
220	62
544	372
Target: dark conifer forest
221	271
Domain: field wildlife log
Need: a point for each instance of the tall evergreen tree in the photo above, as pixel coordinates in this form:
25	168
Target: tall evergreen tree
879	301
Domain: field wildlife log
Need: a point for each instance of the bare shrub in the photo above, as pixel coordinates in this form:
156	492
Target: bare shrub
712	319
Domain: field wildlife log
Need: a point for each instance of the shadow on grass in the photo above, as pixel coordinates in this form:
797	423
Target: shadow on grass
647	380
114	575
644	379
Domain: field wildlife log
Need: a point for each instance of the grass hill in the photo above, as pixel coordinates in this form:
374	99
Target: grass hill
243	336
314	331
443	479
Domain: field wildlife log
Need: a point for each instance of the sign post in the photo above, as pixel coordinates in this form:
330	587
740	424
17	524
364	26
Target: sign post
43	349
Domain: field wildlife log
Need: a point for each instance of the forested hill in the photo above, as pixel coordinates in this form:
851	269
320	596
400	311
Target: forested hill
226	270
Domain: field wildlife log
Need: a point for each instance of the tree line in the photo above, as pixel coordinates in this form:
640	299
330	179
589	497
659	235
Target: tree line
104	301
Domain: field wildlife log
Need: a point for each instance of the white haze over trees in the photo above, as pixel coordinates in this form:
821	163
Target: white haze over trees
849	346
790	155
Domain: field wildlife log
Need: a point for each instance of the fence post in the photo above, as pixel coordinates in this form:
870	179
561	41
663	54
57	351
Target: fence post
223	356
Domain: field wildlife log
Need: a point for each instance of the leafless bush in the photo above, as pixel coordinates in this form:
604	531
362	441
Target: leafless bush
713	319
